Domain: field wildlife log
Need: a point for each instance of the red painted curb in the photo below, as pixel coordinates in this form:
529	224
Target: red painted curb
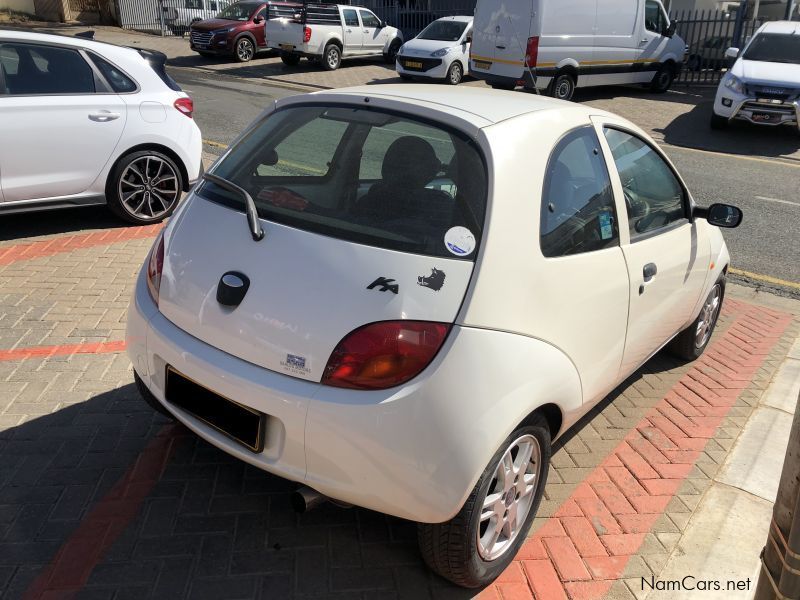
47	351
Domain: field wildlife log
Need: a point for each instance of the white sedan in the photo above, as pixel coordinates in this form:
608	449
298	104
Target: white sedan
399	297
92	123
440	51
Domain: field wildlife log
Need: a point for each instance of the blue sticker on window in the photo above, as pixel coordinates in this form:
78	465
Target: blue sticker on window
606	227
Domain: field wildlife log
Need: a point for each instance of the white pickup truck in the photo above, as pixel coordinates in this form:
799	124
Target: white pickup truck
332	32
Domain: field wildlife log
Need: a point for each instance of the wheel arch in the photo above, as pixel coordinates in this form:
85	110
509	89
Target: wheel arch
158	148
248	35
552	414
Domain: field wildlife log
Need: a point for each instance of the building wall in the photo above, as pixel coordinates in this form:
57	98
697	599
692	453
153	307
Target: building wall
25	6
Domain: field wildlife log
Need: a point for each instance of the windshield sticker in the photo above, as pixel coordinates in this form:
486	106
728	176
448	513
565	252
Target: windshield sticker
295	364
384	285
435	280
606	228
460	241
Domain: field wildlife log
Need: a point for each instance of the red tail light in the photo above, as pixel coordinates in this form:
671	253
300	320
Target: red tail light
385	354
532	52
155	264
306	34
185	105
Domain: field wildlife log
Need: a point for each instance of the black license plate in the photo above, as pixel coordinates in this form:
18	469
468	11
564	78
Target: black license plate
763	117
201	46
240	423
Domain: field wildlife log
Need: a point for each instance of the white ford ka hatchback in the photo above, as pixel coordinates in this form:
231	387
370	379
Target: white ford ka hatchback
399	297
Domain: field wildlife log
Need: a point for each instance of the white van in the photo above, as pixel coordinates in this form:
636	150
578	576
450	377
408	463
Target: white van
559	45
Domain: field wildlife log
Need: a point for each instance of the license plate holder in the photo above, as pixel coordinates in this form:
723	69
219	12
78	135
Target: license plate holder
242	424
287	47
763	117
413	64
482	64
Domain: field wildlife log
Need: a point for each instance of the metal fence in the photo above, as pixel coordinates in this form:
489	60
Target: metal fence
166	17
412	16
708	34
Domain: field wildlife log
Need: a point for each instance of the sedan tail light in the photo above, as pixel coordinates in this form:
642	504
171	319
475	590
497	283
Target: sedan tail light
185	106
384	354
155	264
532	52
306	34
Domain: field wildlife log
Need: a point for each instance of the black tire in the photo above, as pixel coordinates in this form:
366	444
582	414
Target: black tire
331	58
290	59
114	187
451	549
686	345
718	122
148	397
503	86
663	79
562	86
391	56
455	73
244	49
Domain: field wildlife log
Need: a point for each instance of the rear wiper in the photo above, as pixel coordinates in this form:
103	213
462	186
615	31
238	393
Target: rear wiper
250	206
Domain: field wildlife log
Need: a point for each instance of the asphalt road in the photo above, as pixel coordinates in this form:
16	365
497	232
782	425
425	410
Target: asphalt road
767	190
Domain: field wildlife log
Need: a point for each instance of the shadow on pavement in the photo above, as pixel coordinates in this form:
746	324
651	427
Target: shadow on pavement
71	220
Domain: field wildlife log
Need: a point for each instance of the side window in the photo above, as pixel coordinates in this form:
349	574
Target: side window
262	14
306	152
368	19
31	69
350	17
194	4
654	197
119	82
578	213
653	17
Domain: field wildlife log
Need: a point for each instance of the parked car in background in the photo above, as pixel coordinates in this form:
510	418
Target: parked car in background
763	86
440	51
238	31
180	14
397	365
92	123
329	33
558	45
709	55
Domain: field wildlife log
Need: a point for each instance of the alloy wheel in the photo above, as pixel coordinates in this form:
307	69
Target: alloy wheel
333	57
148	187
509	497
708	317
455	74
244	50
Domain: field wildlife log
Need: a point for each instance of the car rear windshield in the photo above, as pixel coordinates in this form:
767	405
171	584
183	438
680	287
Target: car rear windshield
774	47
444	31
240	11
362	175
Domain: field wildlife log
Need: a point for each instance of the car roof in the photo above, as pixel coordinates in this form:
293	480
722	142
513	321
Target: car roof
784	27
477	104
64	40
459	18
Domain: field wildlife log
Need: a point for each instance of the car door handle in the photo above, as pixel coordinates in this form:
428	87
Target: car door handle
349	30
649	271
643	42
500	47
366	31
104	116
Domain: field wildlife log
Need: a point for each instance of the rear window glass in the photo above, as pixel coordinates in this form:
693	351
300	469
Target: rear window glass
362	175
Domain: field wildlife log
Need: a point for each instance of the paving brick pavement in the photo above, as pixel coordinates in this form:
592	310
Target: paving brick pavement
101	498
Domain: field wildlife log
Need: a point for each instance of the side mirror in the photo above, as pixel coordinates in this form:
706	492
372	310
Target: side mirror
258	20
720	215
732	53
671	28
469	39
381	24
270	158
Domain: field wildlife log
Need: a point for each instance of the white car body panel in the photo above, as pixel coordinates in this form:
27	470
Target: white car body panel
417	48
759	76
604	42
526	333
63	153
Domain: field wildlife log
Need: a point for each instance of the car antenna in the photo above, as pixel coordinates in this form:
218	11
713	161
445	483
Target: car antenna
86	35
531	71
250	206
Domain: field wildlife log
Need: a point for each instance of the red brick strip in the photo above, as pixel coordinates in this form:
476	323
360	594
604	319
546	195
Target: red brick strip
47	351
73	563
584	548
68	243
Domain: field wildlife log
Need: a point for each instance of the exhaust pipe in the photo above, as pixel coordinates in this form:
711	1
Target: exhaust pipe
305	498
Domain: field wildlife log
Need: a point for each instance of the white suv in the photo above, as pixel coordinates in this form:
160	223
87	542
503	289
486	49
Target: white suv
763	86
92	123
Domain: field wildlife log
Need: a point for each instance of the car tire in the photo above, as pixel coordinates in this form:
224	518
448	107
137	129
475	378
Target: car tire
562	87
663	79
390	56
148	397
690	343
503	86
460	549
144	187
331	57
290	59
718	122
244	50
455	73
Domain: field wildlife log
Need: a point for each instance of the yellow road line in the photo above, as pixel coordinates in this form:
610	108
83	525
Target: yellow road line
764	278
288	163
214	144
